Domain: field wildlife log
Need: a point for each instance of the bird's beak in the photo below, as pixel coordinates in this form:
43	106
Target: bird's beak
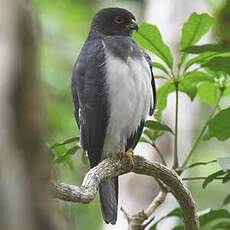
133	25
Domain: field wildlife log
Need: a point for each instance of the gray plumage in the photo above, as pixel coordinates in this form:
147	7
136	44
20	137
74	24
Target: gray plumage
113	91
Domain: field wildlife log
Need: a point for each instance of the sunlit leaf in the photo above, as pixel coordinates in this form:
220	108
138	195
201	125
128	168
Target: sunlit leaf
219	126
162	96
159	66
149	37
188	88
190	81
194	29
208	92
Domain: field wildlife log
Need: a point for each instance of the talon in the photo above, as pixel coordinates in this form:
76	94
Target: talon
128	154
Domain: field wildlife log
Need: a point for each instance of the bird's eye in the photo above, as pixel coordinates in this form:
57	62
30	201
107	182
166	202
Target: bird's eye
119	20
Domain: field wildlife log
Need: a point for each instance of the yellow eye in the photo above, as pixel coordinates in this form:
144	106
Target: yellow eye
119	20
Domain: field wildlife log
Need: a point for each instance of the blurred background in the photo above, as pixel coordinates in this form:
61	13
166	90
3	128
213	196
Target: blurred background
64	25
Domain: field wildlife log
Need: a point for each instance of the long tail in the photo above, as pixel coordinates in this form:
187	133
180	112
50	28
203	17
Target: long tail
108	191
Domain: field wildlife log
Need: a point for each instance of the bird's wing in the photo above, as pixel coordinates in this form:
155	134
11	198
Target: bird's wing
90	98
152	108
133	140
135	137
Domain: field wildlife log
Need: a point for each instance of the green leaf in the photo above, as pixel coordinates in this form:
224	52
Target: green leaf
194	29
64	157
219	126
162	96
179	227
151	135
226	177
227	91
224	163
177	212
190	81
221	64
149	37
155	125
222	225
196	76
84	159
213	215
207	48
145	140
69	161
226	200
160	77
159	66
208	92
59	159
188	88
72	150
67	141
201	163
200	59
59	151
212	177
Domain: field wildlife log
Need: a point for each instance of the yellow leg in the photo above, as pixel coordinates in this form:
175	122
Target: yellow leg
128	154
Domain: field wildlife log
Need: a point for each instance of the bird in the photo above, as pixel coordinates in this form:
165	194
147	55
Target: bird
113	91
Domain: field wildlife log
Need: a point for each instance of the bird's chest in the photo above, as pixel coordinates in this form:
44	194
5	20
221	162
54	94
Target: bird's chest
129	90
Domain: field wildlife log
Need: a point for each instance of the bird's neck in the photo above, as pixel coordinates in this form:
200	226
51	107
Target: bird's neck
95	34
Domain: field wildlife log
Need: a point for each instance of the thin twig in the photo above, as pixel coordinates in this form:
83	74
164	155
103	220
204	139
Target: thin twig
202	178
142	219
163	161
175	162
202	131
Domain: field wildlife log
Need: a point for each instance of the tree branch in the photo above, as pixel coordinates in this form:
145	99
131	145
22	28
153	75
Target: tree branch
110	167
142	219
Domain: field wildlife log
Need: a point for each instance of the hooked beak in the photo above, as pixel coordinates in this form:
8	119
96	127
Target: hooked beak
133	25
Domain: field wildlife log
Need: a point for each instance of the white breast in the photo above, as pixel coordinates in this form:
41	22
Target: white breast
130	97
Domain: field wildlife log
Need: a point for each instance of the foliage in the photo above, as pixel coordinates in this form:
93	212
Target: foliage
206	76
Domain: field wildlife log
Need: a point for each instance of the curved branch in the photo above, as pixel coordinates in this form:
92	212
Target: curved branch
111	167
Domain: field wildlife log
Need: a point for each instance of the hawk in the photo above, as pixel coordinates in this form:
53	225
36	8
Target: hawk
113	92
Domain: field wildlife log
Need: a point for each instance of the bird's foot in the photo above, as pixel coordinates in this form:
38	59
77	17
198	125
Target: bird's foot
128	155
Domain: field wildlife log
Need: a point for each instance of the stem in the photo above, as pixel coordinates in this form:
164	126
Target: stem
175	162
202	130
201	178
160	154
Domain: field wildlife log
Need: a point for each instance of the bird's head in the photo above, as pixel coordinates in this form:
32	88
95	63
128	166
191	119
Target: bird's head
114	21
